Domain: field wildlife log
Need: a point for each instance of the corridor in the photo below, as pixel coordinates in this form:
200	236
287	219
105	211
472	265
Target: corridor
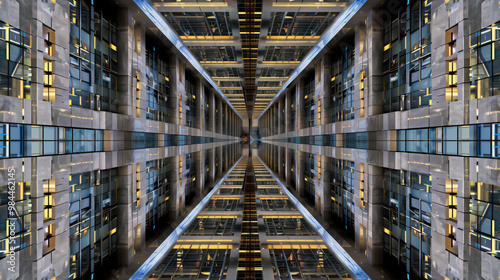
250	227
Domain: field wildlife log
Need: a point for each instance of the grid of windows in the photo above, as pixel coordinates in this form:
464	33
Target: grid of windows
407	55
191	101
357	140
342	192
16	222
485	217
342	83
15	62
485	62
309	176
157	192
21	140
93	57
190	175
481	140
309	101
319	140
142	140
158	84
93	221
179	140
407	222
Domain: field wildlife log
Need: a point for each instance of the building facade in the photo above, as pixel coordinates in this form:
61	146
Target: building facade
109	134
391	134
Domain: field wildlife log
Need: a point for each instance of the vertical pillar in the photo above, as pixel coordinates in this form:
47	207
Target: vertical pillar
375	96
126	198
176	188
177	84
288	112
200	102
211	165
323	190
200	172
325	89
139	106
300	166
218	111
211	112
126	100
288	166
300	110
374	197
126	89
360	65
279	117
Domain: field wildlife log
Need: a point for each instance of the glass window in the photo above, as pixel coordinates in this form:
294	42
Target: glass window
49	147
450	133
49	133
16	149
16	132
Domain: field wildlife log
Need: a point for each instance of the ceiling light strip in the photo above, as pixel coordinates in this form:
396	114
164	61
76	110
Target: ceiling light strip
159	21
325	39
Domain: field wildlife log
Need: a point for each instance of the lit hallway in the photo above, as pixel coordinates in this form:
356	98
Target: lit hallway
250	228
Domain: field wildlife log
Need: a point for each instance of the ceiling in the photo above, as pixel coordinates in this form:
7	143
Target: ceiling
250	47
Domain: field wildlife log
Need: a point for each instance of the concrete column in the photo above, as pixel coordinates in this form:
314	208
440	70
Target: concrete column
279	167
360	66
288	166
126	89
218	111
211	110
374	95
226	118
323	189
140	52
200	102
211	166
324	89
126	200
360	210
177	89
300	110
288	111
279	118
300	163
176	188
219	162
374	199
200	172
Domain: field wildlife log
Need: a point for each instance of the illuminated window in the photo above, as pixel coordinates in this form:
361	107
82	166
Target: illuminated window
48	190
451	198
342	83
49	239
451	41
484	62
451	239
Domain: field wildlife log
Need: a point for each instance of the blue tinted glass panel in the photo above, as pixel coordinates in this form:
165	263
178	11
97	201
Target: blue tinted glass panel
16	131
16	149
49	133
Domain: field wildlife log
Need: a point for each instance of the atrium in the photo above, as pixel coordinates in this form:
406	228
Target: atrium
249	139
